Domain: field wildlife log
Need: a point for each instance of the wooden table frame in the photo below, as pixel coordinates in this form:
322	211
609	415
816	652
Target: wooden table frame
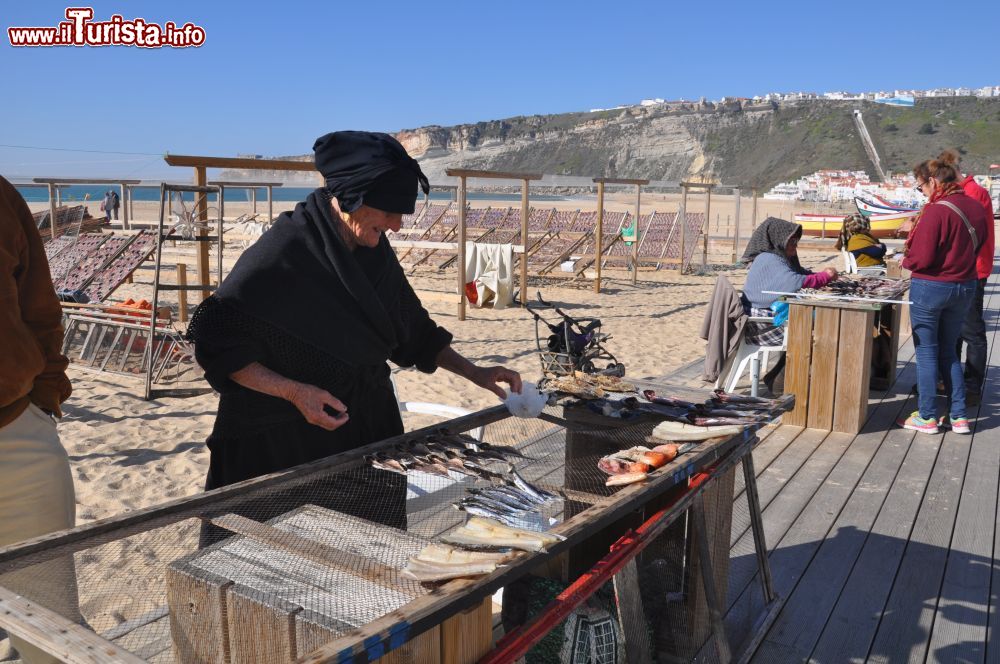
829	363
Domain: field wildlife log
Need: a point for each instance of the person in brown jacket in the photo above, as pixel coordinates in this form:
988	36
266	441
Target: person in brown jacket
36	490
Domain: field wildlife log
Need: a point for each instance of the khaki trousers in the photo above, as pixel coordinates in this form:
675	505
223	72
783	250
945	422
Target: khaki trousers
36	498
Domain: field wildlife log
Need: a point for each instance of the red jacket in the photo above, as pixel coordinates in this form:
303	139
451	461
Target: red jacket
942	249
984	261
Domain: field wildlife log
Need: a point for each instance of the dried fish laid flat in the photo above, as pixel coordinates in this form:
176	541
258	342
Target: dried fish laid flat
673	431
439	562
486	533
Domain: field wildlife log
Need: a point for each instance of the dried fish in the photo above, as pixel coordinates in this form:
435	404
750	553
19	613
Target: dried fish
756	403
440	553
536	494
383	461
670	431
430	571
625	478
484	532
651	396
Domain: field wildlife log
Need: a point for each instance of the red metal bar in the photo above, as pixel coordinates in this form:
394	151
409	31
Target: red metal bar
515	644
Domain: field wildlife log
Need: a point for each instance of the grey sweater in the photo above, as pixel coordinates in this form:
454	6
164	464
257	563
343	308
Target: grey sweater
769	272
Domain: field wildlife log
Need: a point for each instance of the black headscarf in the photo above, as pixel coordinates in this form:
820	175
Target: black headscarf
771	237
370	168
301	277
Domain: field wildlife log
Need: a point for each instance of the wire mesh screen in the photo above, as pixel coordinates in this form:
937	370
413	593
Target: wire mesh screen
271	570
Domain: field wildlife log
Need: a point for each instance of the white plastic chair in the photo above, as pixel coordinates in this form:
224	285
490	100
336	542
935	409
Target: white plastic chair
748	356
437	409
851	266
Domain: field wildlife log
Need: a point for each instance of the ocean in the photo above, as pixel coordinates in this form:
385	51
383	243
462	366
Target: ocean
77	193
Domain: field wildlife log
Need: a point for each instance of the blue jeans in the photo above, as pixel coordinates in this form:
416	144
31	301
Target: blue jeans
936	315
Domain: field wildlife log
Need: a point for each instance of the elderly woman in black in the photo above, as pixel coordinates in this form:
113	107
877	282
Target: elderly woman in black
297	337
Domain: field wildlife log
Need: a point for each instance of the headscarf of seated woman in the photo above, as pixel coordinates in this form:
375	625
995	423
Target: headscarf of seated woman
369	168
852	225
771	237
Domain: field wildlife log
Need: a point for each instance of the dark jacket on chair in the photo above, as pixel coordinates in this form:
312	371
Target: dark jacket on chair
722	327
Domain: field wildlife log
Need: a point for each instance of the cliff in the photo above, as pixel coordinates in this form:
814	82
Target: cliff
753	145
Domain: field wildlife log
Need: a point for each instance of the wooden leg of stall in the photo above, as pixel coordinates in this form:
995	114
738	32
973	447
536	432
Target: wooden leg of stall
468	636
718	511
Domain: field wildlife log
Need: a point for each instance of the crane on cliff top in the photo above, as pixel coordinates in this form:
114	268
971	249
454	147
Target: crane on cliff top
866	140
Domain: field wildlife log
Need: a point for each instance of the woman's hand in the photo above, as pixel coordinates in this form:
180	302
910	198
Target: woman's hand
316	406
832	271
489	377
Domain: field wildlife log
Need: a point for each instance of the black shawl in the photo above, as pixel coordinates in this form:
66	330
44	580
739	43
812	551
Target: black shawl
301	277
771	237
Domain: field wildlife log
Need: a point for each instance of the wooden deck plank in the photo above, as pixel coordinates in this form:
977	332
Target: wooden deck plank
790	475
854	621
909	614
963	608
852	494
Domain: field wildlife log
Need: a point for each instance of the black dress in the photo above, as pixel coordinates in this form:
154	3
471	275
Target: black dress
302	305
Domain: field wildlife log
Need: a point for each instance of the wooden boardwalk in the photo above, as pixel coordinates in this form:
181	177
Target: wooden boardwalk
883	546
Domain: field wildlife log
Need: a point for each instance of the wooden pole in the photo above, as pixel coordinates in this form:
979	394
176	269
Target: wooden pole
682	220
201	216
753	213
736	227
461	247
182	298
52	210
635	243
253	199
524	243
270	205
708	215
131	208
121	204
125	204
600	235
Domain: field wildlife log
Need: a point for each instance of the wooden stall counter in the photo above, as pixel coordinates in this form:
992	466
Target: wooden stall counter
829	360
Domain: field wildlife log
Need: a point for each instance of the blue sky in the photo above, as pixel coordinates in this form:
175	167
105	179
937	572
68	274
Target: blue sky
272	77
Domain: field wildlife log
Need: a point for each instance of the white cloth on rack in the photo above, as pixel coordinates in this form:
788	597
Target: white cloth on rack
490	268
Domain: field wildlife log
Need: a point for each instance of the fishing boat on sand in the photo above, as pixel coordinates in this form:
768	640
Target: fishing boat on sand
878	205
829	225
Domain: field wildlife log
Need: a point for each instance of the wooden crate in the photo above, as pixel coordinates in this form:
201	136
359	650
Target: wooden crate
829	364
280	590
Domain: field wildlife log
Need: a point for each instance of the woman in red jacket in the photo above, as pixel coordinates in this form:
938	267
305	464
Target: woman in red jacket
941	253
974	329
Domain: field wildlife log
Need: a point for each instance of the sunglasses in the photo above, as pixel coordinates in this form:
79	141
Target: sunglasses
920	187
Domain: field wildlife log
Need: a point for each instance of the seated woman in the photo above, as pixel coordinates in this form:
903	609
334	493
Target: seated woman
856	236
774	266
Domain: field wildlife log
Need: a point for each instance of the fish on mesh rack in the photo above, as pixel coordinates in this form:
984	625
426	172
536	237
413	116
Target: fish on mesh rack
438	453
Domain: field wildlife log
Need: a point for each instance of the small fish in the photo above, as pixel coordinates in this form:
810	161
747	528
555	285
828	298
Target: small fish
477	510
485	457
385	463
502	449
512	493
495	505
496	496
536	494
